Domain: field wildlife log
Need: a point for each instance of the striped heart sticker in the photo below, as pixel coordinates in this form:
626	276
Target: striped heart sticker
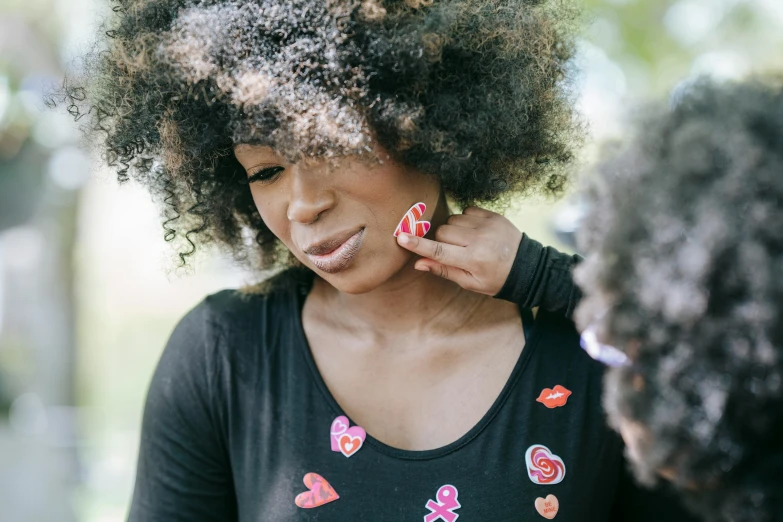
410	223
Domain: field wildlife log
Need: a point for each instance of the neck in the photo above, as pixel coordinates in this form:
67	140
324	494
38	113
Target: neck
412	303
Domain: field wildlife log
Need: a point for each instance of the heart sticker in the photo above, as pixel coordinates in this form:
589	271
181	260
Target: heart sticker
543	466
410	223
339	426
346	440
555	397
547	507
321	492
352	440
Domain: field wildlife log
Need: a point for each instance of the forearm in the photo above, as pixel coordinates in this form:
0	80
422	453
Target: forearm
542	277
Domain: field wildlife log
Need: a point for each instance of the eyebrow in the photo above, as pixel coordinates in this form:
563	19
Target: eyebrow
265	164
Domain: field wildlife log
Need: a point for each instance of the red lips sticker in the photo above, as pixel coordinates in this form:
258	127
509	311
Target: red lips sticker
555	397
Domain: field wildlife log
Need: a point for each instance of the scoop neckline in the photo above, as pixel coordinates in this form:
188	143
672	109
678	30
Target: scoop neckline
299	299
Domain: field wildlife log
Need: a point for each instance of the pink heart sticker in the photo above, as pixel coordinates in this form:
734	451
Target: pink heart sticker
352	440
321	492
339	426
410	223
543	466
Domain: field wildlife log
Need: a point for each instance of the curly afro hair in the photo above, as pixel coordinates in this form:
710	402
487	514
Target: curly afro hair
476	92
684	272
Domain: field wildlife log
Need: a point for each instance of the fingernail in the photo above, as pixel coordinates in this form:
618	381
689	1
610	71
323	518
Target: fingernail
403	238
423	268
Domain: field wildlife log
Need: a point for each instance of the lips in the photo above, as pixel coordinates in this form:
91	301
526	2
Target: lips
336	253
552	398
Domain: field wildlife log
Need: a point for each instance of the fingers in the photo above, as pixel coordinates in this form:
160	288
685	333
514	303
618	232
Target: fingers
443	253
455	235
466	221
462	277
479	212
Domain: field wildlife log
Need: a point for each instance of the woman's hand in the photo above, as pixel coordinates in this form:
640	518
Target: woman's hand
474	249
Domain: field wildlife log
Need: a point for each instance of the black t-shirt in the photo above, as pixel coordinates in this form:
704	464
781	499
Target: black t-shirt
237	419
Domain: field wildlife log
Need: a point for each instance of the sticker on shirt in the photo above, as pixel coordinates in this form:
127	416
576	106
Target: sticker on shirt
543	466
346	440
410	223
552	398
320	492
444	508
547	507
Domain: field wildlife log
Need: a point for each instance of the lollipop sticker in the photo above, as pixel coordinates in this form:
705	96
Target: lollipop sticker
543	466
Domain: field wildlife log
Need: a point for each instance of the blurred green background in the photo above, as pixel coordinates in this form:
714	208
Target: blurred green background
88	289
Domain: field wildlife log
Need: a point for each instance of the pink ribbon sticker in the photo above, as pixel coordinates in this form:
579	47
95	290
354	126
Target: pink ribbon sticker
444	508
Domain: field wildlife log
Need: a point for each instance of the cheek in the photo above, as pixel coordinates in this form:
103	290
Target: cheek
389	191
273	211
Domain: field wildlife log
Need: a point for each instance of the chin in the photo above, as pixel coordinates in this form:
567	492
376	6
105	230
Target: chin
351	282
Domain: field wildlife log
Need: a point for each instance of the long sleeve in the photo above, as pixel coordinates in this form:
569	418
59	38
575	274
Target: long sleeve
542	277
183	469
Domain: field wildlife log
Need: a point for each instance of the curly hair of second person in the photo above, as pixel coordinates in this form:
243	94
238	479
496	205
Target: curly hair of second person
684	272
476	92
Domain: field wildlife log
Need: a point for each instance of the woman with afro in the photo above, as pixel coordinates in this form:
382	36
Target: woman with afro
311	136
684	275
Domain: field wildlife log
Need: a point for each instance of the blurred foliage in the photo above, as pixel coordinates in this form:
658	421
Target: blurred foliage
659	42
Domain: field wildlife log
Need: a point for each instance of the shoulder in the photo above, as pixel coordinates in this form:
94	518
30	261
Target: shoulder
231	319
557	328
252	308
228	336
561	348
245	330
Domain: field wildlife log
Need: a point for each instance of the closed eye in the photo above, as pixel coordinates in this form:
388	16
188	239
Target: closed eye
265	175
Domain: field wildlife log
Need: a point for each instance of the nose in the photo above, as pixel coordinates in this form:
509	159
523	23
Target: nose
310	196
